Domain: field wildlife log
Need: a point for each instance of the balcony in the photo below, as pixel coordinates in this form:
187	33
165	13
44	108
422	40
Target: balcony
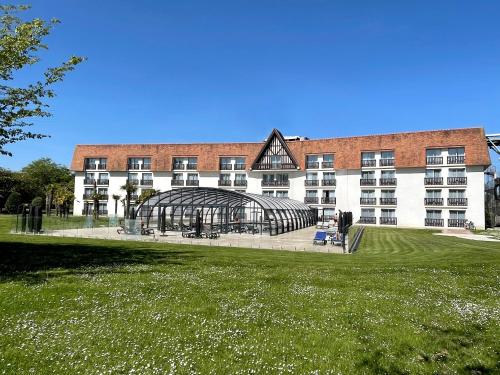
89	181
101	166
179	166
103	197
146	166
177	182
388	201
457	180
239	167
191	167
368	182
90	166
275	183
267	166
388	220
226	167
392	181
456	159
327	164
134	166
192	182
434	160
457	202
311	200
433	201
386	162
240	182
329	182
311	182
328	200
368	163
312	165
434	222
133	181
102	181
433	180
89	211
224	182
456	223
367	220
147	182
367	201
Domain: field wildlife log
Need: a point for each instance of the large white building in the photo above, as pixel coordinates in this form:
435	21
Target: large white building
417	179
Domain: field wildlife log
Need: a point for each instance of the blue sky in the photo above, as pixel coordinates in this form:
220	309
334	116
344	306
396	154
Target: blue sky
209	71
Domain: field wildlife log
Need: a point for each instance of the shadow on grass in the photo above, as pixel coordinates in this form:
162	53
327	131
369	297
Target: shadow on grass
24	261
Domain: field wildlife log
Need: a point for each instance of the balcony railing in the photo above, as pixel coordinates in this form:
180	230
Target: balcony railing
433	180
192	182
147	182
328	200
457	180
191	167
177	182
392	181
457	201
179	166
103	197
89	211
388	201
101	166
434	160
266	166
434	222
329	182
311	182
433	201
226	167
240	182
312	165
388	220
368	163
224	182
90	166
367	201
239	166
146	166
133	181
311	200
89	181
327	164
367	220
102	181
456	223
386	162
134	166
275	183
368	182
456	159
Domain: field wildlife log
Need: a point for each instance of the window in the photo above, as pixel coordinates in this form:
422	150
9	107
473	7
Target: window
329	176
328	158
240	177
225	164
435	152
268	193
311	193
239	163
387	155
457	194
366	175
192	176
133	178
311	158
433	214
433	173
146	163
88	191
275	161
457	151
367	155
456	172
388	174
388	213
367	212
329	212
433	194
388	194
329	193
178	163
103	191
102	176
281	194
192	163
457	215
225	177
177	176
367	193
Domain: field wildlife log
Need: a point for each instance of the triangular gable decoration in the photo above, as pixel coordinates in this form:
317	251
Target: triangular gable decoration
275	154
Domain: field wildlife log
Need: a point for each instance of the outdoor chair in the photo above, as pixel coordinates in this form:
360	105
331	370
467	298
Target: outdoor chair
319	238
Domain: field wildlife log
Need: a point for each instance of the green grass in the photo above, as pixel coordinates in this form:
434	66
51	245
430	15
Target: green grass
406	302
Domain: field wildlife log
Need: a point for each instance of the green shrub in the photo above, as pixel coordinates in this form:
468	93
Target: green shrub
37	202
13	202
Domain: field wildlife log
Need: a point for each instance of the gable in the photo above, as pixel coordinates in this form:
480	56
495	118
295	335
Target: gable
275	154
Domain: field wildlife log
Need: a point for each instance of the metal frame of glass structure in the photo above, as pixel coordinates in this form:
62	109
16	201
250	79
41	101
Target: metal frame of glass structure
224	211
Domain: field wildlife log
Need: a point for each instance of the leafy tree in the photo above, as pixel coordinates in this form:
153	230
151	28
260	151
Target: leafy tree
63	197
8	180
37	202
13	202
146	194
129	189
20	43
40	177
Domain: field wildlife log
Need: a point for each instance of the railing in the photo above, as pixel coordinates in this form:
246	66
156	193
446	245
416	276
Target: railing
90	166
433	201
456	159
312	165
386	162
192	182
177	182
147	182
102	181
327	164
226	167
275	183
368	182
101	166
329	182
328	200
89	181
102	197
457	201
311	182
90	211
367	220
433	180
434	160
311	200
265	166
240	182
456	223
191	166
368	201
239	166
134	166
224	182
388	220
133	181
146	166
388	201
457	180
179	166
392	181
434	222
368	163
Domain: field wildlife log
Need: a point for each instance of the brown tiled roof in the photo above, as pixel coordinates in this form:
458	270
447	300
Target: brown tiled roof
409	149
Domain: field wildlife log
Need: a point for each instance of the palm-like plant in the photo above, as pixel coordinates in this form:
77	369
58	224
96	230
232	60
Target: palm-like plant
129	189
116	198
146	194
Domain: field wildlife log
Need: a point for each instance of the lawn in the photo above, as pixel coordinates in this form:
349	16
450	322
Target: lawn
406	302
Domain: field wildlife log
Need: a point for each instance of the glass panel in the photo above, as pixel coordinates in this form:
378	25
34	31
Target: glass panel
457	151
433	214
433	193
387	154
368	174
240	177
311	193
388	174
457	194
329	175
311	176
388	193
311	158
367	212
433	152
367	155
457	215
388	213
367	193
456	172
328	157
433	173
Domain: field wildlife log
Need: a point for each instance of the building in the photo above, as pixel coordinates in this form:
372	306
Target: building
414	179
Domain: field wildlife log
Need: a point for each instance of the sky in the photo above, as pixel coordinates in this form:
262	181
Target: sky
229	71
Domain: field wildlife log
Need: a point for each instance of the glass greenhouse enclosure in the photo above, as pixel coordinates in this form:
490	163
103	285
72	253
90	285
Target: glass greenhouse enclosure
224	211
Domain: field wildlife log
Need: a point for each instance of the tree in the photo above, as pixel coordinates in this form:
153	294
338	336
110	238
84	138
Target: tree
8	180
116	197
37	202
20	43
146	194
13	202
130	189
63	196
